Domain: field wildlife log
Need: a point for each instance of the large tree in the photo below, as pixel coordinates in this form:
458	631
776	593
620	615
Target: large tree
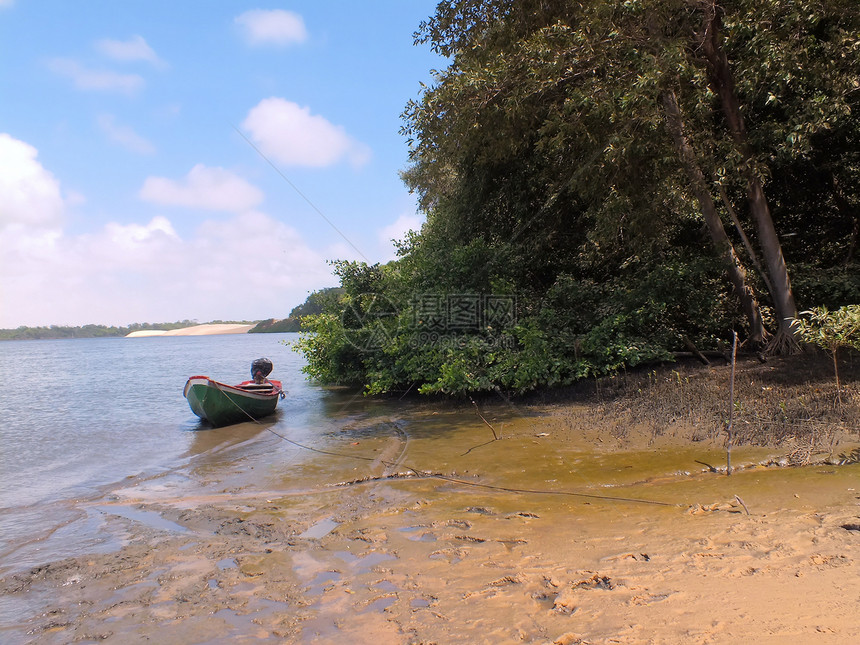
584	158
573	97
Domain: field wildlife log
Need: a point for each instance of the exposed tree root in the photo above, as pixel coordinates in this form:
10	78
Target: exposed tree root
784	343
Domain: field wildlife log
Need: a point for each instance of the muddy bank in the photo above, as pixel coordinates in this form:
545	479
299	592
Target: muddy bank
559	526
783	400
413	564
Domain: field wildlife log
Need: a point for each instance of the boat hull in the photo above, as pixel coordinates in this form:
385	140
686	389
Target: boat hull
222	404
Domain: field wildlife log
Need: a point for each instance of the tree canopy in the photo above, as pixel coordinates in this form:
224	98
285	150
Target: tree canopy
632	176
315	303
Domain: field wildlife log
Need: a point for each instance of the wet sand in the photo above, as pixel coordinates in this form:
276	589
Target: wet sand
435	532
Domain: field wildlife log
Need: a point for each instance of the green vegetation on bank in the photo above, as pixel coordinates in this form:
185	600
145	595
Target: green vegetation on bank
831	331
314	304
605	183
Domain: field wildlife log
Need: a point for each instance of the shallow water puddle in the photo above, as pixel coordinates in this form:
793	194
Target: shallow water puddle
347	556
367	562
319	576
247	622
412	533
148	518
323	581
226	563
442	536
320	529
386	586
380	604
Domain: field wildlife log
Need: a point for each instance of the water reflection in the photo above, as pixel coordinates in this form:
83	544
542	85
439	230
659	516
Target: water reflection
206	439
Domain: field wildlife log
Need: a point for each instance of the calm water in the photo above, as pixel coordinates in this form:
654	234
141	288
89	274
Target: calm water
79	416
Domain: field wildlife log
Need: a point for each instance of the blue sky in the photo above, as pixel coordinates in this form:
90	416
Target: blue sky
130	190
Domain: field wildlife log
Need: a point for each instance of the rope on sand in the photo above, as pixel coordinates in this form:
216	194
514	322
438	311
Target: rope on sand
463	482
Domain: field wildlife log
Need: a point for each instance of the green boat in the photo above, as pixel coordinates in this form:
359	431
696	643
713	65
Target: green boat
222	404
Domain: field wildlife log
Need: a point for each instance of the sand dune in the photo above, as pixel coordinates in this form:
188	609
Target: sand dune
196	330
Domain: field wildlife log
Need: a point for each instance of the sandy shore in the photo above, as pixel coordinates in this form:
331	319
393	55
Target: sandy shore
196	330
552	533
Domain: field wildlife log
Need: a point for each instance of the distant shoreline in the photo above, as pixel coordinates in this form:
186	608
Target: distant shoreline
178	328
196	330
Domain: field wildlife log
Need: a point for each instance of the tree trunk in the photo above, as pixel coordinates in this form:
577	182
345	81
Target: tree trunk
746	242
709	211
722	82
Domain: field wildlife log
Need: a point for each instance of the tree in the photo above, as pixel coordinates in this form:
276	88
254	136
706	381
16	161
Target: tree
582	106
832	331
723	85
581	85
709	212
581	156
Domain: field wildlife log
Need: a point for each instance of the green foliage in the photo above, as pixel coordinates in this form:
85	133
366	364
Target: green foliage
331	357
831	287
577	329
272	326
542	160
314	304
831	330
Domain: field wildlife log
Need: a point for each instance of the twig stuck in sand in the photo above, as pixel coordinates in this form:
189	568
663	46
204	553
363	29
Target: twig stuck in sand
741	502
489	425
731	406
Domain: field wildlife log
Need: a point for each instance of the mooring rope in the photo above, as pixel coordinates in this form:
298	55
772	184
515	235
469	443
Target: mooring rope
454	480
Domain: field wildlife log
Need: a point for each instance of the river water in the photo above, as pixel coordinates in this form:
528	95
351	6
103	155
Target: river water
80	416
83	418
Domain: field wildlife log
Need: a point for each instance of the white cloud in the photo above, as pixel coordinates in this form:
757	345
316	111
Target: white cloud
204	188
250	266
91	79
4	4
124	135
268	254
290	134
29	194
274	27
397	230
133	49
74	198
130	235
